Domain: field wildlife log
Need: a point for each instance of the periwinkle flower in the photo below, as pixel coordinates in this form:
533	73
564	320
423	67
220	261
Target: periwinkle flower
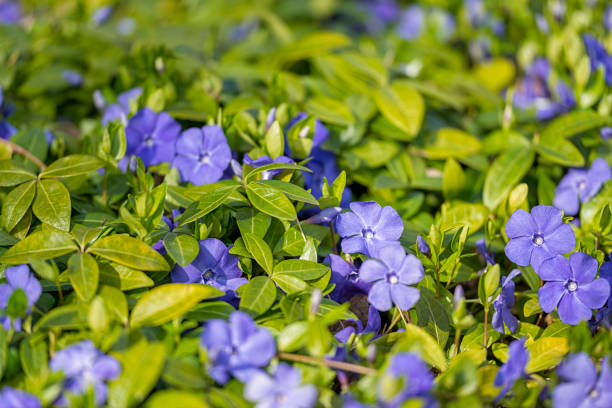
598	56
265	160
319	134
580	185
503	303
581	387
202	154
603	315
411	22
372	326
542	23
84	366
13	398
213	266
73	78
514	367
571	287
368	227
346	278
606	132
392	276
236	348
538	236
282	390
607	18
121	109
325	216
417	380
21	286
423	246
476	12
481	247
102	14
170	222
270	118
10	12
6	129
151	136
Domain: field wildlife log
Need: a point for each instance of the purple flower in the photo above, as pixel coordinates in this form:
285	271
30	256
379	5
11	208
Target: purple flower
265	160
12	398
213	266
121	109
151	136
21	283
72	77
6	130
10	12
513	368
598	56
542	23
270	118
372	326
411	23
423	246
83	365
325	216
391	277
346	278
538	236
580	185
571	287
202	154
102	14
283	390
171	223
603	315
503	303
580	386
476	12
417	379
606	132
607	18
368	227
481	247
238	348
301	120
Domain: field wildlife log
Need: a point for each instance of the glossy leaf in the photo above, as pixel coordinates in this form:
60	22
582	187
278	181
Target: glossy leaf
129	252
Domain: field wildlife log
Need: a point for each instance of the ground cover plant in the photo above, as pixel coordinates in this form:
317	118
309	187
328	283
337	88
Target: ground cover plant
305	204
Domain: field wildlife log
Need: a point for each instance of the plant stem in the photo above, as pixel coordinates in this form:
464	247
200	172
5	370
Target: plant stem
301	230
105	188
437	280
393	322
486	325
339	365
20	150
333	237
457	338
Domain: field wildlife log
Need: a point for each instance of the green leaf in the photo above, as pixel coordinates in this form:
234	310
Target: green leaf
559	150
271	201
293	336
292	191
546	353
505	172
116	302
42	244
453	179
206	204
275	140
453	143
275	166
330	110
33	140
4	340
12	174
473	215
17	304
289	284
433	317
122	277
141	366
305	270
258	296
16	204
63	317
210	310
182	248
73	165
573	123
84	275
169	301
52	204
176	398
474	338
402	106
253	221
260	251
33	355
417	339
130	252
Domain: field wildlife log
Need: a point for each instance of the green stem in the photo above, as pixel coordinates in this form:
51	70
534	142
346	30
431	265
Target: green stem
20	150
339	365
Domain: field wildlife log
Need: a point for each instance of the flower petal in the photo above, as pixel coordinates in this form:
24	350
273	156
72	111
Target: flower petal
547	218
258	349
555	269
189	143
348	223
550	294
578	368
594	294
380	296
372	270
571	310
519	250
411	271
569	395
520	224
390	225
562	240
404	296
368	211
584	267
216	334
354	244
566	199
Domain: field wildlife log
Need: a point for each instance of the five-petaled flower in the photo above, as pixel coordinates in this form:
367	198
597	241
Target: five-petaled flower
202	154
368	228
283	390
238	348
580	185
392	276
580	386
12	398
21	283
513	368
213	266
84	366
346	278
151	136
503	303
538	236
571	287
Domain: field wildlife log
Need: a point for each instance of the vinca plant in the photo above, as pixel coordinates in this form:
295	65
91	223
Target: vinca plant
305	204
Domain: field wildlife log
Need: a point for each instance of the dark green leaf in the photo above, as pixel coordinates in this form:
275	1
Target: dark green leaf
52	204
271	201
182	248
73	165
16	204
